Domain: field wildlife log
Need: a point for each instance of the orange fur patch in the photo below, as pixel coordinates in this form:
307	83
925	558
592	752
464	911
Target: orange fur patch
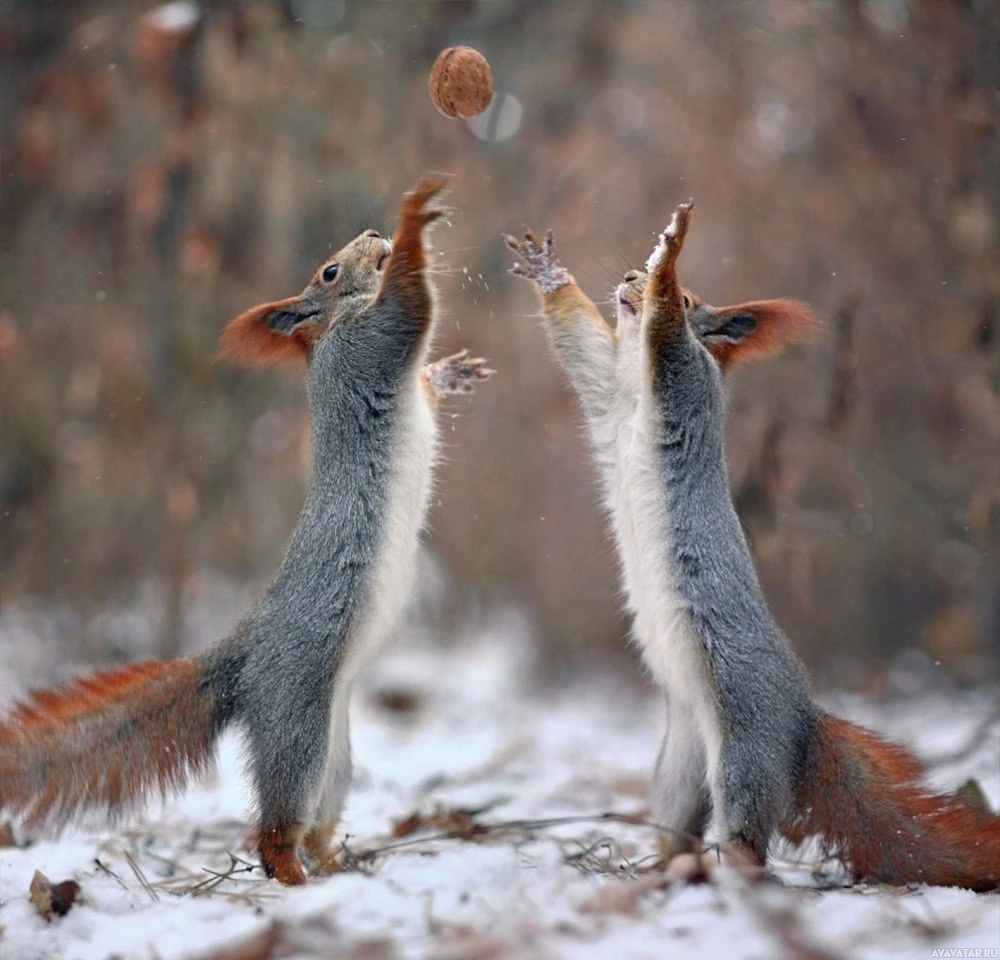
318	841
278	849
249	341
47	709
405	271
780	323
864	800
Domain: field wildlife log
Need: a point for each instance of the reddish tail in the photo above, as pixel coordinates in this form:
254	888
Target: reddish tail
865	802
106	742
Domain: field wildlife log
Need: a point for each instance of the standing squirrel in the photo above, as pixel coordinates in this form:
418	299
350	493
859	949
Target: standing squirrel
745	746
284	674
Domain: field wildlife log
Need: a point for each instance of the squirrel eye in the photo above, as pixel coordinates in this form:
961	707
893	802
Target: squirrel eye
330	273
688	302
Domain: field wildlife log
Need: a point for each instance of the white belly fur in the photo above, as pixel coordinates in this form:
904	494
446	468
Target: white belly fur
395	565
662	624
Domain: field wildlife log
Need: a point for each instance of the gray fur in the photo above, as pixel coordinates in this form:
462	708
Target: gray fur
739	716
767	719
276	673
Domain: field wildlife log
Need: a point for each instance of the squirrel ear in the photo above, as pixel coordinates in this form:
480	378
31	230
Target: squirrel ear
269	334
731	326
757	329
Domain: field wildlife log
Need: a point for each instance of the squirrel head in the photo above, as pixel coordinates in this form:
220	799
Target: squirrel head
734	333
285	331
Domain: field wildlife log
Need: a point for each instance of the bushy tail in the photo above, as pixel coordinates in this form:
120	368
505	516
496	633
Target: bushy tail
864	800
106	742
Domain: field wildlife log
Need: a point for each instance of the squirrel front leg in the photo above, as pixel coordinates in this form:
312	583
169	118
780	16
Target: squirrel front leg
584	344
663	317
404	303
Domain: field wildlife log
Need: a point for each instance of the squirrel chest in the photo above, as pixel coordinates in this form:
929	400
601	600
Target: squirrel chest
663	624
414	454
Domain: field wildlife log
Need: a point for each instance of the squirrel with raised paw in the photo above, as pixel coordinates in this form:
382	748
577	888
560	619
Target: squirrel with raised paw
107	742
747	753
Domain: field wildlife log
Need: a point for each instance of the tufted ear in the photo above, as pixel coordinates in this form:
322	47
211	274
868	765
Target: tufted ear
271	333
758	328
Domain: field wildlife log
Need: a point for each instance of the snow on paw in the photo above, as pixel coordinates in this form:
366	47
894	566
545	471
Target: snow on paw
457	373
537	261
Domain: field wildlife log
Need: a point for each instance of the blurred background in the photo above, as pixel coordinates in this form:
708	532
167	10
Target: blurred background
165	166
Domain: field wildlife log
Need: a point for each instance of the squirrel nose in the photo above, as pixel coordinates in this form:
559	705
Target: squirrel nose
374	234
632	275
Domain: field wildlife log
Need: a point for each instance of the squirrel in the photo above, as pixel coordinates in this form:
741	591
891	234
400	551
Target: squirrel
283	675
747	754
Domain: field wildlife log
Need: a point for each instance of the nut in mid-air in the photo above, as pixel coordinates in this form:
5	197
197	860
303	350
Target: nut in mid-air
461	83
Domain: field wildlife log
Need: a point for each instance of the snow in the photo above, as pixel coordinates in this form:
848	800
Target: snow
478	739
659	251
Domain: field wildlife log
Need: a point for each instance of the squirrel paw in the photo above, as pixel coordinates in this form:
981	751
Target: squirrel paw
538	261
672	239
457	373
318	848
413	211
676	844
284	866
279	855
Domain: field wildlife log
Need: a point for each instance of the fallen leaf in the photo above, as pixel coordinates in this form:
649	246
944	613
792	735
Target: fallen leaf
52	899
258	946
397	700
623	897
458	820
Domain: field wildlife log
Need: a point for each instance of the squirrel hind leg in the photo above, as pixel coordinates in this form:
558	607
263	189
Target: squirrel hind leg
681	802
288	749
745	804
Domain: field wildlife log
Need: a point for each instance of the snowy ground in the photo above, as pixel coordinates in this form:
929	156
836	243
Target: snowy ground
453	730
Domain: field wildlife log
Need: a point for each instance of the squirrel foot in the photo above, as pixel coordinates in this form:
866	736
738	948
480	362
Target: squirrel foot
457	373
538	261
278	849
318	846
675	844
750	863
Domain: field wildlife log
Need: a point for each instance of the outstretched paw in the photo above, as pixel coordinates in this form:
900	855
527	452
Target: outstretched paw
414	212
672	239
538	261
457	373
